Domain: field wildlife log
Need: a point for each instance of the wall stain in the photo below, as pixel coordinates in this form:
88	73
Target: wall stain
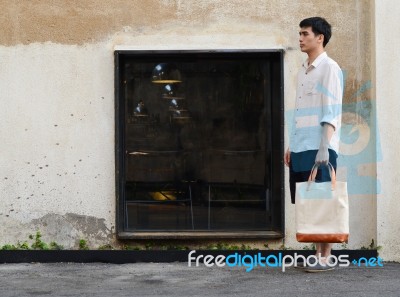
89	225
69	228
76	21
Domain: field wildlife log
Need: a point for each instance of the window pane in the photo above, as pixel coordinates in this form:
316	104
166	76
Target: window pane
197	151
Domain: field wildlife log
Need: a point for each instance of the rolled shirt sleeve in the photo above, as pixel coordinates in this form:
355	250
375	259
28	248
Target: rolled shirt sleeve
331	90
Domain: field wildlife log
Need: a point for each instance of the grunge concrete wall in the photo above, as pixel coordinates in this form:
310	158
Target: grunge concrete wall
387	72
57	97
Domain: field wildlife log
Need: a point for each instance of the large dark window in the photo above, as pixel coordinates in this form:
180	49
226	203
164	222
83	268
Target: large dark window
199	143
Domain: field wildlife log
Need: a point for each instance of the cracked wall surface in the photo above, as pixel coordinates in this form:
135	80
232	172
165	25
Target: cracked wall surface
57	94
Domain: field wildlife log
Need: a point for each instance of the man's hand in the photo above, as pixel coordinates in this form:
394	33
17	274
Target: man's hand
323	153
286	157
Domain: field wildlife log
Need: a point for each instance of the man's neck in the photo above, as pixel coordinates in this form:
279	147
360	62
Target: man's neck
313	55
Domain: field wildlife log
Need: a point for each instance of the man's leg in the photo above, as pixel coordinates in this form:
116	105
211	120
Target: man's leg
296	177
326	249
323	249
318	247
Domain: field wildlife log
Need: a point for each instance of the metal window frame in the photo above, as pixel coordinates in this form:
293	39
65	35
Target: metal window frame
275	119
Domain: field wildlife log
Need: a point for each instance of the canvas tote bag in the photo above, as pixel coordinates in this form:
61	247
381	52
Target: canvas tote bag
322	209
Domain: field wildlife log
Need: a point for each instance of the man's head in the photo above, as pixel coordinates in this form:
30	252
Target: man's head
314	32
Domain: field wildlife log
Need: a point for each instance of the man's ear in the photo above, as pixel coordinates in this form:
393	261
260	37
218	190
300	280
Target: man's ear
321	38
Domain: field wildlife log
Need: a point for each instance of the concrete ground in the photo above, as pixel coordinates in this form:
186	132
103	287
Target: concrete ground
177	279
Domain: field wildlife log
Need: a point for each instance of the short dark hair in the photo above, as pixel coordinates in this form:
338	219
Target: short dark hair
319	26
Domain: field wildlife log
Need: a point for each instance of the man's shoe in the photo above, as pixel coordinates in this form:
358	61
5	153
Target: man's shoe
301	265
304	265
319	268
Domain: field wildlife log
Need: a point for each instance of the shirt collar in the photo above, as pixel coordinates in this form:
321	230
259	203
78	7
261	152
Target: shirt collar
317	61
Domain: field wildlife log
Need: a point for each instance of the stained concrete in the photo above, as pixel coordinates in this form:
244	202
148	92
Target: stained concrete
57	96
177	279
91	21
387	92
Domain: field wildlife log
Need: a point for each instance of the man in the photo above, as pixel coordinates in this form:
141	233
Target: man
317	115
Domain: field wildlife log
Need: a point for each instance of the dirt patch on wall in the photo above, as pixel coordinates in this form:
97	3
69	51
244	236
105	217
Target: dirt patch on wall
76	21
69	228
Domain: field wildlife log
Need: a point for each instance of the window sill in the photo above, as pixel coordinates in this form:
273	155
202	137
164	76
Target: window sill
201	235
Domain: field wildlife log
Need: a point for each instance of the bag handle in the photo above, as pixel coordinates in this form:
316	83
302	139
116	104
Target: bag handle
314	171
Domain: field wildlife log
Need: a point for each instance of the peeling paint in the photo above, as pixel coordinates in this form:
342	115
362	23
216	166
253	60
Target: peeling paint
66	230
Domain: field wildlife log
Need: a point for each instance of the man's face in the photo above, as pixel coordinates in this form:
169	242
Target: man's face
308	40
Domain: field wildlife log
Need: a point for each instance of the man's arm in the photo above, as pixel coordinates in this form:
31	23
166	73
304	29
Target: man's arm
323	153
332	93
